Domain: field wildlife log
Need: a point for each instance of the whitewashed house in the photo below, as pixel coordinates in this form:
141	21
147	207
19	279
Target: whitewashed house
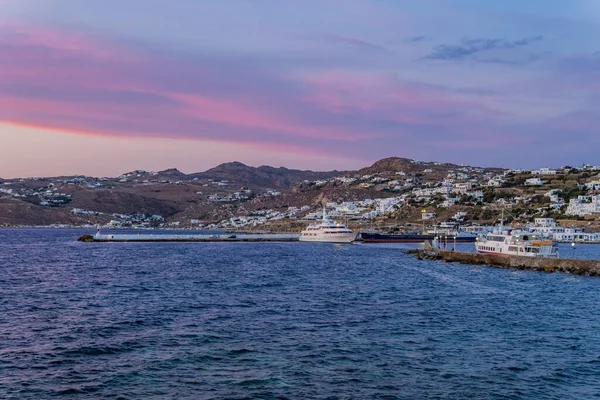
534	182
544	171
462	187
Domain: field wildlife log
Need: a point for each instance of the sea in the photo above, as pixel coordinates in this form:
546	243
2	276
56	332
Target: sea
286	321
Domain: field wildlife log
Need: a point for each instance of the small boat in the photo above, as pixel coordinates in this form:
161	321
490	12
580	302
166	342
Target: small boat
327	231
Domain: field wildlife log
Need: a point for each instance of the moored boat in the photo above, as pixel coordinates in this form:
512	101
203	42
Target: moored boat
517	243
327	231
415	237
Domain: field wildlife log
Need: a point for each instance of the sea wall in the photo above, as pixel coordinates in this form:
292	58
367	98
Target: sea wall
569	265
147	237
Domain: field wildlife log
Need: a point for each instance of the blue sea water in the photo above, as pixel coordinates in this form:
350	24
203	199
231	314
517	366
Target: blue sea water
285	321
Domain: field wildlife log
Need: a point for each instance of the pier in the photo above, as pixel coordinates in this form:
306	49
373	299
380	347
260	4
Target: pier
227	237
568	265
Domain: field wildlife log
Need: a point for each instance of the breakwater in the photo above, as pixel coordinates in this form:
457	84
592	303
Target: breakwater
189	238
568	265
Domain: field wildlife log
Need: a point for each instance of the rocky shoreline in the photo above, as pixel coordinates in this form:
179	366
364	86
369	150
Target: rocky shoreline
567	265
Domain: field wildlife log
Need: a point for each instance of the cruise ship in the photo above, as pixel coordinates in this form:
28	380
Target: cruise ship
517	243
328	231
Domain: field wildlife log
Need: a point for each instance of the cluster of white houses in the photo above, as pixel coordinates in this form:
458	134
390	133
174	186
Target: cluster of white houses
402	187
463	182
548	228
584	205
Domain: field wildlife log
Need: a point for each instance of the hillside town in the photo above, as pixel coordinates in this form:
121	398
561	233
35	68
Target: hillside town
392	191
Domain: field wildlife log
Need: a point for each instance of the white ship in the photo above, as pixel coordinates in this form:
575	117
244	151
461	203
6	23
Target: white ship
517	243
327	230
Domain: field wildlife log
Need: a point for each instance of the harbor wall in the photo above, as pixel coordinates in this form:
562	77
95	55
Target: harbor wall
189	238
568	265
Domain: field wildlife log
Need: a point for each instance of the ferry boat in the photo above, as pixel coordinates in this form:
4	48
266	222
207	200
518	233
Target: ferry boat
328	231
517	243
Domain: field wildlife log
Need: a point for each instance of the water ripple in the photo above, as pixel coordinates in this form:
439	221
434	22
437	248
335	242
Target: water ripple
285	321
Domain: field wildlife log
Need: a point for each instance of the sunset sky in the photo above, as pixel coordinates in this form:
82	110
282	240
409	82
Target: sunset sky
102	87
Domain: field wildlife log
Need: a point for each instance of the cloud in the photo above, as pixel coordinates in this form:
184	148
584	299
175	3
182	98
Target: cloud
417	39
295	100
470	47
345	42
515	61
101	88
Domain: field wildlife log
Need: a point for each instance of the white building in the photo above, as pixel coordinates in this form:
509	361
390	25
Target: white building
459	216
553	195
478	195
494	183
428	215
593	185
584	205
534	182
577	235
546	227
449	202
462	187
544	171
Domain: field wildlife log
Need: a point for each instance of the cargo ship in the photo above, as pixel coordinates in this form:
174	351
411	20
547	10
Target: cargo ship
415	237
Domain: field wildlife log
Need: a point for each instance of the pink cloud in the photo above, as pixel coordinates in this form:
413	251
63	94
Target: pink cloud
75	83
87	67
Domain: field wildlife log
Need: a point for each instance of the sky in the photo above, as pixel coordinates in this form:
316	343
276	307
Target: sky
102	87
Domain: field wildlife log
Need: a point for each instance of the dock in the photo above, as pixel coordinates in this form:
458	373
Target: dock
568	265
226	237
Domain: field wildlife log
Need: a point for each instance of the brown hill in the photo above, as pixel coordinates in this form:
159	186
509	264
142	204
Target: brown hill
122	202
261	177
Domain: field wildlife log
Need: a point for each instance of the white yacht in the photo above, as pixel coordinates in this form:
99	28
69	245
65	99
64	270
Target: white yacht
517	243
327	230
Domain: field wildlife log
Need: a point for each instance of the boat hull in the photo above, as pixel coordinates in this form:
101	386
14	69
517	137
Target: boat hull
521	254
370	237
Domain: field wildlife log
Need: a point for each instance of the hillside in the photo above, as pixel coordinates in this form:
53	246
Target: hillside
232	195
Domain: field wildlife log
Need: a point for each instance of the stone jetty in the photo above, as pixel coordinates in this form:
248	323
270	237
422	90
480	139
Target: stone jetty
188	238
568	265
